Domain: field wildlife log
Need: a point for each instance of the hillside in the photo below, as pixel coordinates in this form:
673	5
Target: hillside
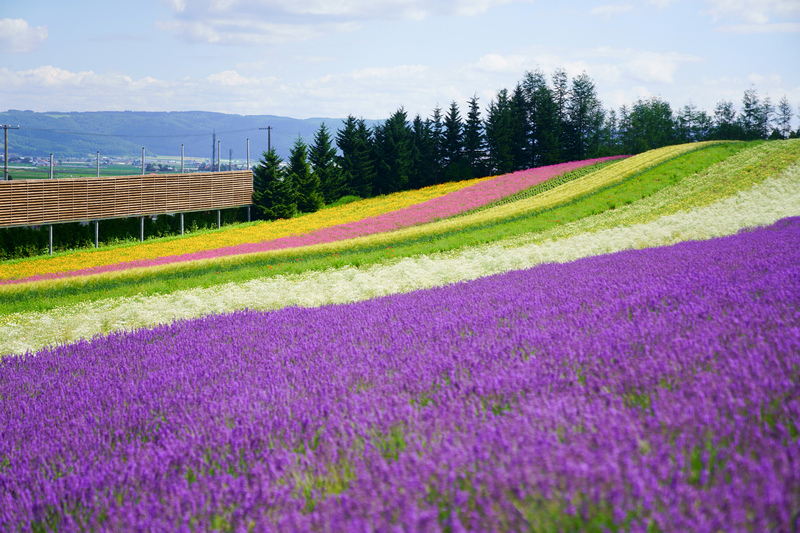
640	192
124	133
598	346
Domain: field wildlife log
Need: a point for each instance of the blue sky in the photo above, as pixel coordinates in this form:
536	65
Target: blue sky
331	58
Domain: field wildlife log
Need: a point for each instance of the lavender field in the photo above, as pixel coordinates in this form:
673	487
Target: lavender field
645	390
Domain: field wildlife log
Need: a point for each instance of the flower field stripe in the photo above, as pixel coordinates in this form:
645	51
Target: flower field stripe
762	204
448	205
726	179
241	234
643	390
397	210
768	156
568	191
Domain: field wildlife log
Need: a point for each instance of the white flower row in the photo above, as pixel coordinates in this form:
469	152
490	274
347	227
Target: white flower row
773	199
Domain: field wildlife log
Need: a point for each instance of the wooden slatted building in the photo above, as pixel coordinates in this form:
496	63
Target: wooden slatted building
55	201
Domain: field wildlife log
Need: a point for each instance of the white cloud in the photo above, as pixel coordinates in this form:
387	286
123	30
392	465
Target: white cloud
610	10
259	22
353	9
371	92
248	32
231	78
621	75
16	35
650	67
756	16
780	27
661	4
471	8
46	76
638	66
507	64
177	5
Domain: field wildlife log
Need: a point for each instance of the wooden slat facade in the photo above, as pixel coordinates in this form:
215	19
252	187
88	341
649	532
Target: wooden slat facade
36	202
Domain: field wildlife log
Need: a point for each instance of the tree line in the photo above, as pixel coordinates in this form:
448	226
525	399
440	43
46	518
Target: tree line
542	121
539	122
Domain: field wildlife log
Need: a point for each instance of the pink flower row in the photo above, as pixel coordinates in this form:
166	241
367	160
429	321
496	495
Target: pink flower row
449	205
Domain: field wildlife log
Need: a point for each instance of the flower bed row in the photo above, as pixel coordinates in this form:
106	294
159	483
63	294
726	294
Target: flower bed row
256	232
623	228
619	391
722	180
457	201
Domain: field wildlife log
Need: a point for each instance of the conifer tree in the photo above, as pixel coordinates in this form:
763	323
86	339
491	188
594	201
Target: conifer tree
750	117
474	140
392	154
423	154
610	136
322	156
726	125
309	197
437	134
560	99
499	130
453	146
358	170
585	119
543	121
273	193
784	118
521	130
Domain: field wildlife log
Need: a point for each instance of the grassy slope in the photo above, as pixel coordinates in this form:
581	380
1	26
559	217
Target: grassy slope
48	295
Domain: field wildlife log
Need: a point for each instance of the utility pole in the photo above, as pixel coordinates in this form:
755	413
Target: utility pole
213	149
51	226
269	137
6	127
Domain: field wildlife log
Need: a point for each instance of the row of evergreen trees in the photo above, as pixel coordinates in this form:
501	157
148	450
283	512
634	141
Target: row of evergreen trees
536	124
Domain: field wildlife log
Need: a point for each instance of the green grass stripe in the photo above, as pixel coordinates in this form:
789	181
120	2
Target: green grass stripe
359	252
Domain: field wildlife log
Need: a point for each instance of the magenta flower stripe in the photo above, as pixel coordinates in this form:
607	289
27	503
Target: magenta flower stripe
445	206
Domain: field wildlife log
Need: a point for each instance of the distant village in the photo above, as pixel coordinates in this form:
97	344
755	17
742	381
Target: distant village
161	164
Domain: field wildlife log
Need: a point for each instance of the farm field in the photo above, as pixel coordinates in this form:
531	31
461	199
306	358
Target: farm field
88	170
351	220
616	350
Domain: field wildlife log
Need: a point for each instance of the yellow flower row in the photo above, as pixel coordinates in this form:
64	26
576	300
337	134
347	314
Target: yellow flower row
737	173
209	240
582	186
722	180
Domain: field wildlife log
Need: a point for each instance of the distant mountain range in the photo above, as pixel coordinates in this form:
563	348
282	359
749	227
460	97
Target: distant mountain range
124	133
